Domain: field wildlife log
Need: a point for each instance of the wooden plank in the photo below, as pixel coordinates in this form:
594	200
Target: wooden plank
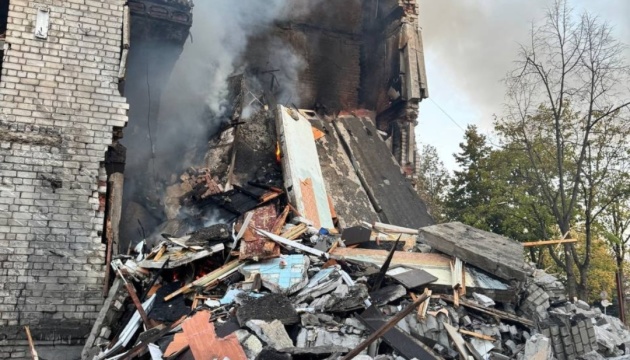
205	280
393	228
204	342
422	310
295	232
492	312
31	344
459	341
548	242
281	221
477	335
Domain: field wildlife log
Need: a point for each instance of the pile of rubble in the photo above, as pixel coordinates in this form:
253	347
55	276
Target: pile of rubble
285	275
316	295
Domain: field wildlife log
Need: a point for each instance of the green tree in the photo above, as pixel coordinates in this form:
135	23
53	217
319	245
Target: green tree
469	191
493	191
569	92
433	182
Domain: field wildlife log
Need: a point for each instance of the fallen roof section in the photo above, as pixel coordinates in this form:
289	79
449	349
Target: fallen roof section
490	252
350	199
396	201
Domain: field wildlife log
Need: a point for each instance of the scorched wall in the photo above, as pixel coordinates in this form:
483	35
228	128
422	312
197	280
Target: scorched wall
59	104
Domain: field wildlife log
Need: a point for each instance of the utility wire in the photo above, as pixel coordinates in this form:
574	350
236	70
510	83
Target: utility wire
459	126
447	115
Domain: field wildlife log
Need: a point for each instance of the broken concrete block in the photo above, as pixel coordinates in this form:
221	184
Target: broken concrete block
594	355
320	337
344	298
582	305
284	275
105	332
493	253
355	323
483	300
538	347
250	343
273	333
481	346
512	346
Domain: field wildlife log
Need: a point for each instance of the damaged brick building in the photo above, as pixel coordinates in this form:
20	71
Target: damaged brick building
66	69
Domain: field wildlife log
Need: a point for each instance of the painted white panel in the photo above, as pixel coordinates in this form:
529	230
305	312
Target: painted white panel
300	162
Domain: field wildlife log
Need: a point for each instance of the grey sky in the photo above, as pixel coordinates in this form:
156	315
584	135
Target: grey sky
469	47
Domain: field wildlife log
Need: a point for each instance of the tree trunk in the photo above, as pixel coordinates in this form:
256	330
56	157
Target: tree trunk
621	293
571	279
582	287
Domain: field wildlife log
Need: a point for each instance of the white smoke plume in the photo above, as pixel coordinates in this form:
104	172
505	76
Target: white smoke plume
474	42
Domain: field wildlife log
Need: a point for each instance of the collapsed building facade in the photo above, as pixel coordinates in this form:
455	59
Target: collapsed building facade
168	193
71	77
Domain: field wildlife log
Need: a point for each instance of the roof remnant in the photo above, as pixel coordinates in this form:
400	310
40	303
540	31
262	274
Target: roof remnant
397	201
204	342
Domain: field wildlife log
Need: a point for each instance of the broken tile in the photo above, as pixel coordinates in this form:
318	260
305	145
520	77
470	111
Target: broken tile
204	343
411	278
284	275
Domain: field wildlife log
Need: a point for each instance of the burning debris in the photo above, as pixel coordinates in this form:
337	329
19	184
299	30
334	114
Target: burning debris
276	278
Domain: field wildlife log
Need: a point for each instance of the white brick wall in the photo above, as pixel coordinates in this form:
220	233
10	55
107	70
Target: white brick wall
59	102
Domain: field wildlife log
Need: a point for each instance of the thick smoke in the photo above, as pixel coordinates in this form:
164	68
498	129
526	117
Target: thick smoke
221	33
475	41
164	140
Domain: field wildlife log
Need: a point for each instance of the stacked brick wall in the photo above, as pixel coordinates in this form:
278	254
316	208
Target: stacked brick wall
59	104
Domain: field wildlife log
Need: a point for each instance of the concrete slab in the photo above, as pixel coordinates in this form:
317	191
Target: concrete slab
490	252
